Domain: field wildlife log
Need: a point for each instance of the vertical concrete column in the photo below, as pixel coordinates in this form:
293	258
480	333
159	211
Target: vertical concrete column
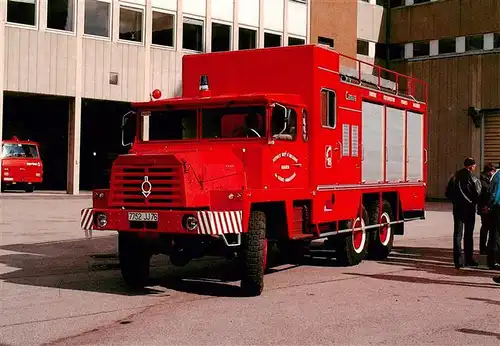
308	26
260	44
178	35
208	26
409	2
285	23
42	17
3	16
236	32
75	109
460	44
408	50
74	133
148	34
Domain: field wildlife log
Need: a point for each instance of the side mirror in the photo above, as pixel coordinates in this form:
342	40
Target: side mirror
128	128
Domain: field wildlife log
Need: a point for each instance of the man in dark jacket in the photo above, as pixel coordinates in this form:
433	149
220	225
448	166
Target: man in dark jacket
464	189
482	207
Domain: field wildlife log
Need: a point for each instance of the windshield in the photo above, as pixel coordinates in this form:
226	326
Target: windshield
19	150
217	123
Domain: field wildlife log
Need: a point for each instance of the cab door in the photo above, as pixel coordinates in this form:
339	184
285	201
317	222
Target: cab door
288	159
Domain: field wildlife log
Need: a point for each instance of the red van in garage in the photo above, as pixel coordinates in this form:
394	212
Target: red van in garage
22	166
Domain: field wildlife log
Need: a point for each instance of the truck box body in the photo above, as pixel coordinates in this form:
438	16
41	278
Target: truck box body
359	159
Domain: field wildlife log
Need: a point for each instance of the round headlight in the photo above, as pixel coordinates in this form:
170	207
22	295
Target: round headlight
101	220
191	223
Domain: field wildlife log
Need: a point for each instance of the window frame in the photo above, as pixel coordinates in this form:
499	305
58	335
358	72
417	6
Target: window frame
231	38
305	125
173	13
24	26
203	31
297	38
334	108
60	31
271	32
248	27
110	23
133	7
297	116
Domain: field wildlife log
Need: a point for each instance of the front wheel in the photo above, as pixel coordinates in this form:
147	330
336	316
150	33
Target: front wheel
135	257
254	250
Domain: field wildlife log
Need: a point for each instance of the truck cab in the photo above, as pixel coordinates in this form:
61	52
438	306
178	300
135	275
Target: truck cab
22	167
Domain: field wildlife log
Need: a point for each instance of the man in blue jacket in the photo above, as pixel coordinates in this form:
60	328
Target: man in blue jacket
494	204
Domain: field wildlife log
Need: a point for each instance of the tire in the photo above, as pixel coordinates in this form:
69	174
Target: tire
382	238
351	248
30	188
254	251
135	257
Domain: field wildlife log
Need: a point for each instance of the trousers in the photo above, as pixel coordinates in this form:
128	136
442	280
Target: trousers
464	220
487	224
494	239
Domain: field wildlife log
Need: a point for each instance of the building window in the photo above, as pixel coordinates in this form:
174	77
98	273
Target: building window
97	18
447	46
221	37
247	38
21	12
163	29
394	3
130	24
421	49
363	47
326	41
327	108
474	42
396	51
496	40
381	2
61	14
294	41
192	36
420	1
272	40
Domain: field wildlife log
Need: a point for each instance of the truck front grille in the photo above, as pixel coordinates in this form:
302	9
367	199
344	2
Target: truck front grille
145	186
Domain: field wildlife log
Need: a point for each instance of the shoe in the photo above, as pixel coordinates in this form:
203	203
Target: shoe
496	279
458	265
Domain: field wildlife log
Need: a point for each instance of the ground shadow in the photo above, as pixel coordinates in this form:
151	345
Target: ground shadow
478	332
488	301
92	265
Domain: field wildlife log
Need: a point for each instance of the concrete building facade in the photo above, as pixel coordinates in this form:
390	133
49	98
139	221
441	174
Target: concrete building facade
121	50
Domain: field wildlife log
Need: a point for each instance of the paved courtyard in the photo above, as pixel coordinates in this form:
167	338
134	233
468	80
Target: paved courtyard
58	288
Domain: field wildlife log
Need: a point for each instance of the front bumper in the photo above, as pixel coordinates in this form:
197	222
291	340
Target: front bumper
169	222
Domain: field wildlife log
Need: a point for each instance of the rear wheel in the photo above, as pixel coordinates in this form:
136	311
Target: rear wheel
351	248
382	238
135	257
254	250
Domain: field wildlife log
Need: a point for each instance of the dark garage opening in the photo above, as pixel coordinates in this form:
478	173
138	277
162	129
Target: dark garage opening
101	134
43	119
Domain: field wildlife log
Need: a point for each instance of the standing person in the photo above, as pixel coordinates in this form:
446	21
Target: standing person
464	189
483	209
494	240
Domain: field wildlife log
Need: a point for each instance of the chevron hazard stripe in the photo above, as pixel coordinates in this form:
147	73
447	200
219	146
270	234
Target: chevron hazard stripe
86	216
220	222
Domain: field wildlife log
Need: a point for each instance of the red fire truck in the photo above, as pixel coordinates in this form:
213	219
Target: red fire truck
22	166
268	146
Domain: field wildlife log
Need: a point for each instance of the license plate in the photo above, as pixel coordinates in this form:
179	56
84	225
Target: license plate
148	217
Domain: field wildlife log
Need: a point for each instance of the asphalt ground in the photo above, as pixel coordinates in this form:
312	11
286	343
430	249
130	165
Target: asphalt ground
56	287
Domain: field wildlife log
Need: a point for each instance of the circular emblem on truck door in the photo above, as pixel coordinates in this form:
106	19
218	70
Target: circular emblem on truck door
146	187
285	166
